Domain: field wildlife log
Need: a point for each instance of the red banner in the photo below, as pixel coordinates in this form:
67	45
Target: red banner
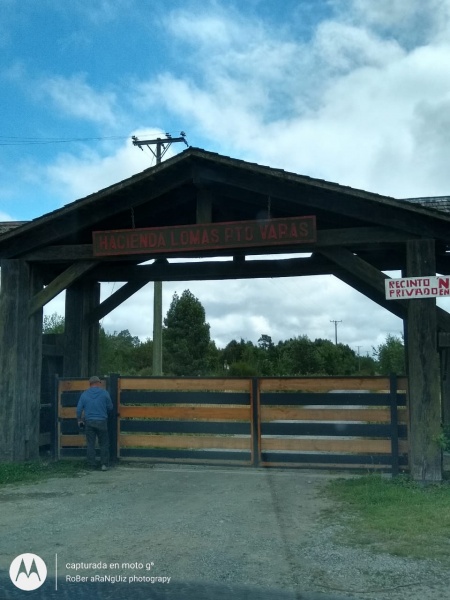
210	236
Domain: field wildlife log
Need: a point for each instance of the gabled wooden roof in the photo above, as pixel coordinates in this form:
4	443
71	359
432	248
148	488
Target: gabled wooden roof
166	195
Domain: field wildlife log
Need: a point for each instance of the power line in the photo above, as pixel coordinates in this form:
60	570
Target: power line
22	141
10	140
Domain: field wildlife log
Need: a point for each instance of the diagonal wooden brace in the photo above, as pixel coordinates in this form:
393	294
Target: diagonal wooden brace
370	281
59	284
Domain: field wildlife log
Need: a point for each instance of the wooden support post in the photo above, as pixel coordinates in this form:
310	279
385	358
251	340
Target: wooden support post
204	206
20	362
157	368
444	352
394	423
423	370
80	334
112	385
256	411
92	328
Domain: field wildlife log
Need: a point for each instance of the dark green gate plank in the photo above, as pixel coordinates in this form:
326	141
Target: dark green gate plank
331	458
220	428
369	430
176	397
330	399
186	454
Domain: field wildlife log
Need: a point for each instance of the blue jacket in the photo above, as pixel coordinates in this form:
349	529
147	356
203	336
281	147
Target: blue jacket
95	402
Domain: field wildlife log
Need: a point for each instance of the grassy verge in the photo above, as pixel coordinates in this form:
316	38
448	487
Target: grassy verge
395	516
38	470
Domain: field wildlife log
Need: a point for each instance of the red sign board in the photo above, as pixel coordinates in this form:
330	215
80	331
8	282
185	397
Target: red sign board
210	236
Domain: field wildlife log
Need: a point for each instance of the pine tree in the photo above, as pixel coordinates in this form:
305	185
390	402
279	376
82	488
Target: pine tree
186	337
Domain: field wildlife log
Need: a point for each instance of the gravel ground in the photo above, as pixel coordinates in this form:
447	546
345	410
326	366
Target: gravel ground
215	532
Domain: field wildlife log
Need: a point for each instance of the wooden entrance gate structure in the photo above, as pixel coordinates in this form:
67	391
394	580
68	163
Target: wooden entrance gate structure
343	422
203	205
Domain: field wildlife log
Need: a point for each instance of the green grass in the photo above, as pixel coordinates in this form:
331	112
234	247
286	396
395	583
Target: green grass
38	470
396	516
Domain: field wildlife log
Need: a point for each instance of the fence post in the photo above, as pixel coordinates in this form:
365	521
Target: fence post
394	424
112	382
256	443
55	432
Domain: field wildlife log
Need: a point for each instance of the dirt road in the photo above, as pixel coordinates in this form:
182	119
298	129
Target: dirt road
196	532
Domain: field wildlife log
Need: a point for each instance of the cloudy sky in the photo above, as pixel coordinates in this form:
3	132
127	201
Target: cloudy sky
356	92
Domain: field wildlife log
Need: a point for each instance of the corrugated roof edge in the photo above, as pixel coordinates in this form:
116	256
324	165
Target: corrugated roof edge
6	226
288	174
436	203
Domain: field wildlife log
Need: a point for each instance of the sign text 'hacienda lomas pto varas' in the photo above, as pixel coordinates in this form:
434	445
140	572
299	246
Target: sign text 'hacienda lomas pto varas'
210	236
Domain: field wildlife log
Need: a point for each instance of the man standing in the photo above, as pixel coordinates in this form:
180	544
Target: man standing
95	404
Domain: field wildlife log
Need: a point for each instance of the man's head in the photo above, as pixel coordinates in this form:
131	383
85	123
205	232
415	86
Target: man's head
94	381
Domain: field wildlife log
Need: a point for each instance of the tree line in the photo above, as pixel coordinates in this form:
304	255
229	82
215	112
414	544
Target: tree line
189	351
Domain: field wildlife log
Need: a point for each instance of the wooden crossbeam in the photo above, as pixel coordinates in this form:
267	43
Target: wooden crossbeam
351	236
214	270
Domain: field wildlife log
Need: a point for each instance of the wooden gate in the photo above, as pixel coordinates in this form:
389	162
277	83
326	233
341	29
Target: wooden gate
186	419
332	422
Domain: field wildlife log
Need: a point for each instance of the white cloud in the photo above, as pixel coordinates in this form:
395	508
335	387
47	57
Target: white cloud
74	97
411	21
240	47
71	96
76	176
353	107
207	29
345	47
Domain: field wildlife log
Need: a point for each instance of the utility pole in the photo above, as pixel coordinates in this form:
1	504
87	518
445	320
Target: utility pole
359	359
162	145
335	329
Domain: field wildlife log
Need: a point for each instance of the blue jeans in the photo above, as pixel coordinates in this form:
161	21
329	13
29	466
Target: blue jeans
97	429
